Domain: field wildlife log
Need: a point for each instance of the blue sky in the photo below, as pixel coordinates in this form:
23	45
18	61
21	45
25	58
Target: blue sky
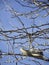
9	22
